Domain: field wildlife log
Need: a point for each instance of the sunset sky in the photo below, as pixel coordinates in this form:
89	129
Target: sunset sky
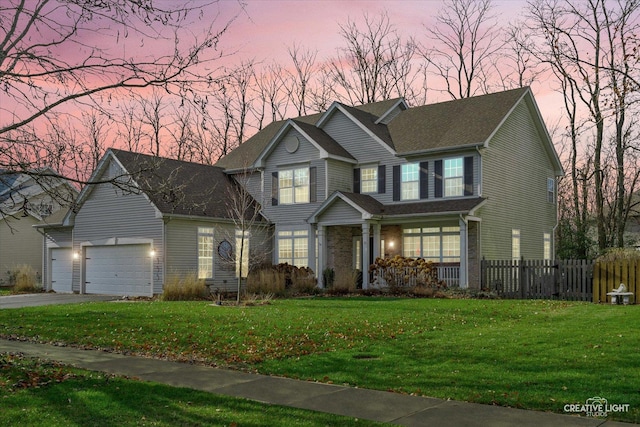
265	29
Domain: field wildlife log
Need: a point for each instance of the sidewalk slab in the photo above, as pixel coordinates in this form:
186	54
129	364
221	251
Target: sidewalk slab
394	408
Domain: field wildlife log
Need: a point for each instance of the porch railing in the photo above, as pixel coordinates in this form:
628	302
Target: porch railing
410	276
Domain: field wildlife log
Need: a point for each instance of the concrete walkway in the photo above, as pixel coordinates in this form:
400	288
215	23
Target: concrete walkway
353	402
49	298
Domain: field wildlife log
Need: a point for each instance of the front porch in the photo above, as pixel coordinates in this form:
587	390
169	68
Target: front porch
347	248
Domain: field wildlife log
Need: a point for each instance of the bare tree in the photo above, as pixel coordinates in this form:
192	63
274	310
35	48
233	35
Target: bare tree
464	46
375	64
298	83
51	65
250	226
587	45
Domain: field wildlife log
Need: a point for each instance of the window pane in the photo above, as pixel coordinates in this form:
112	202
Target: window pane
453	187
411	246
369	180
286	196
301	177
453	177
205	252
285	179
409	191
302	194
453	168
431	248
451	248
285	251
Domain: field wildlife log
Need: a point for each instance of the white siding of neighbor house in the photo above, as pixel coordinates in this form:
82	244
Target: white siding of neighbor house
20	244
108	213
515	171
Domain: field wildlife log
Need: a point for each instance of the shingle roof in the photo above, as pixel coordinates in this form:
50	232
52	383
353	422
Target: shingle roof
440	126
246	153
456	123
323	139
179	187
374	207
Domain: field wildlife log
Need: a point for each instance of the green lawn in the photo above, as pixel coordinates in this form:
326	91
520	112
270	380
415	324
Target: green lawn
527	354
42	393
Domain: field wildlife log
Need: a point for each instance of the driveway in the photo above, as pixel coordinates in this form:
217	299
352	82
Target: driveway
32	300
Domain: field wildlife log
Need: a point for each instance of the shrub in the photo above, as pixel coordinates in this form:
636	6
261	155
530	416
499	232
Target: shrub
346	281
266	280
24	279
281	279
616	254
328	277
186	288
398	273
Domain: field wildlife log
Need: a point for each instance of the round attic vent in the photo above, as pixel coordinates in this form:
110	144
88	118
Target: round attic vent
292	145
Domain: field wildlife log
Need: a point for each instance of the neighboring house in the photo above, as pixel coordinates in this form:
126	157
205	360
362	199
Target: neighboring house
451	182
25	201
144	219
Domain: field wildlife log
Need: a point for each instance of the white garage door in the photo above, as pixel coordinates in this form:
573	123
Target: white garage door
118	270
61	269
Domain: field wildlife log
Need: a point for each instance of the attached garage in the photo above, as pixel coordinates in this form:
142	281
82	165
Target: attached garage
118	270
61	270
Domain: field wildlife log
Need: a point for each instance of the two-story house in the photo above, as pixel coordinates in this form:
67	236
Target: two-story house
451	182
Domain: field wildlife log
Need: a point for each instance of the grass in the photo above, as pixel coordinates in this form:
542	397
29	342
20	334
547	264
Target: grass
537	355
41	393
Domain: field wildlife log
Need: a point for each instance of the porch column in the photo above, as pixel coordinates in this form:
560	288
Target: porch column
322	254
376	240
464	253
365	255
311	250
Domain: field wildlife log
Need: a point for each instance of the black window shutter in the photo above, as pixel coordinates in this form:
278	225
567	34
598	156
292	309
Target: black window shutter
396	183
424	180
274	189
438	178
468	176
356	180
313	187
382	179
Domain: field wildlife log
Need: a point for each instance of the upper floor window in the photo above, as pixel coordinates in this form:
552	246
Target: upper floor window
293	186
453	177
409	181
551	190
369	180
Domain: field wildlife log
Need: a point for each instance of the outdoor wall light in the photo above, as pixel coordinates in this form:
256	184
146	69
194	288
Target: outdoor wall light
76	255
391	244
152	253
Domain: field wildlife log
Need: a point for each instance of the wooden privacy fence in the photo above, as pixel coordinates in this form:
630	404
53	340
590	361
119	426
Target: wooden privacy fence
607	275
539	279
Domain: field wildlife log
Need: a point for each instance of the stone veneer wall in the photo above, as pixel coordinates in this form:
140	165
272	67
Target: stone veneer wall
474	254
340	247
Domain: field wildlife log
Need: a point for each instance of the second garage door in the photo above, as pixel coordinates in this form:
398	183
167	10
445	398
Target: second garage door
118	270
61	269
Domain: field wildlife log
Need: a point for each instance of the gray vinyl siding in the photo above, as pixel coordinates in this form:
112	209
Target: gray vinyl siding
253	183
356	141
339	176
340	213
182	251
515	172
280	159
108	213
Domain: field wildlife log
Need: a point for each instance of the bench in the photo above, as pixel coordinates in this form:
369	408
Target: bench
620	292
